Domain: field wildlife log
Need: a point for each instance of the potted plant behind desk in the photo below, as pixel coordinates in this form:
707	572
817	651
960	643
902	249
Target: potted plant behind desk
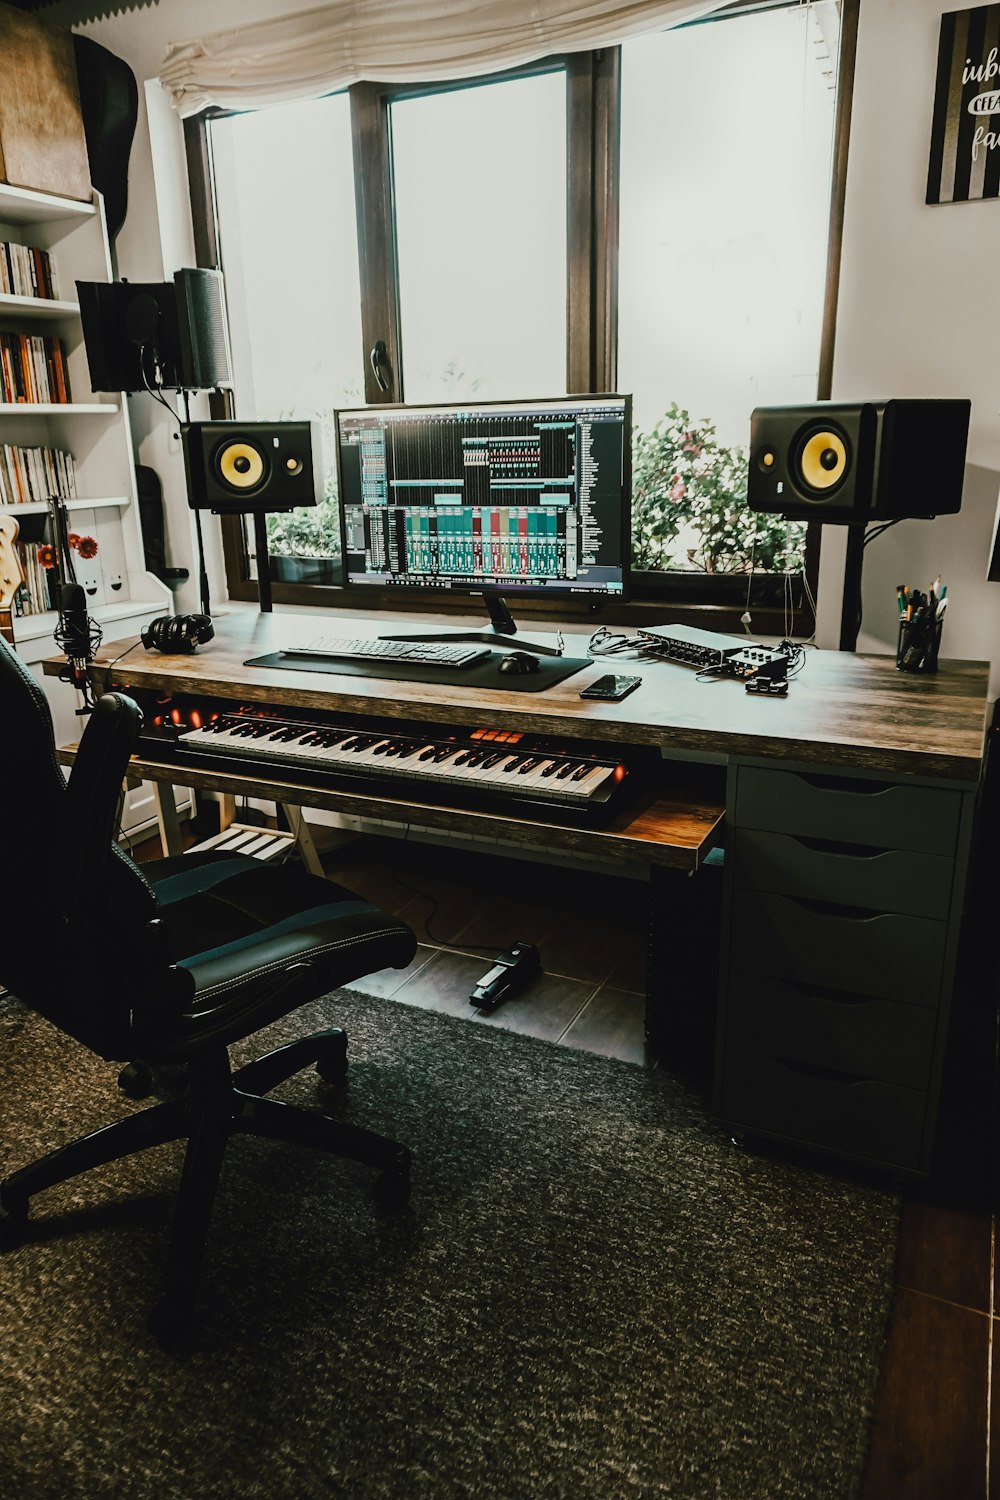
689	506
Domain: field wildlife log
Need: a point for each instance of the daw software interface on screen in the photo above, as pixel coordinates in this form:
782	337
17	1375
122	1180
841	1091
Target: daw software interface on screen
511	496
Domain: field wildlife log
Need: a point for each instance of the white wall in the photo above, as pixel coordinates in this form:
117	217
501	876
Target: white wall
918	315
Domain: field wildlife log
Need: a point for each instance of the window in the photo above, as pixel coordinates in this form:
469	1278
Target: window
726	153
480	206
652	219
292	276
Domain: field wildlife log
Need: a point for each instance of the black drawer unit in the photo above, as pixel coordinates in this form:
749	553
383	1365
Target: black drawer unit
841	913
896	880
887	814
861	1035
860	1117
873	953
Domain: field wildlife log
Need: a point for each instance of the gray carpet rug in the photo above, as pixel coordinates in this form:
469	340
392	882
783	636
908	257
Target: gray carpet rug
593	1296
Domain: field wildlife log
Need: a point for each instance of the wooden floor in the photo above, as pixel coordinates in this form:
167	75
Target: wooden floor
939	1387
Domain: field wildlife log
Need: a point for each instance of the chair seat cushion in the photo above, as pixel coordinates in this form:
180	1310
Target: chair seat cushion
242	928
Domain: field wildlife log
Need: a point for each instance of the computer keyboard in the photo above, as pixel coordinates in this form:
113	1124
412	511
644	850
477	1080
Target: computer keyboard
338	649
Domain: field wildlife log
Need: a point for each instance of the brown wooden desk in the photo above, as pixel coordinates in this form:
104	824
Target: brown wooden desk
848	808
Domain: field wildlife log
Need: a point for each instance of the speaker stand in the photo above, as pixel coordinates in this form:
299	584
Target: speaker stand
263	561
850	616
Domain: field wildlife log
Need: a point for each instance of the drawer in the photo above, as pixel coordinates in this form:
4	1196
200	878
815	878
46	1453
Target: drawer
853	874
892	815
862	1035
858	1117
881	954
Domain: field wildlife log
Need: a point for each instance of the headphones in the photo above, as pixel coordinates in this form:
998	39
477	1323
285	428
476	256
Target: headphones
178	634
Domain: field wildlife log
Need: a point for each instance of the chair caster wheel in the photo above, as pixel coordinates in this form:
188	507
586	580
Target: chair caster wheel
136	1081
331	1065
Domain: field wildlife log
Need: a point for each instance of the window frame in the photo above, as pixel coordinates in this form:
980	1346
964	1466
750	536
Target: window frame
593	94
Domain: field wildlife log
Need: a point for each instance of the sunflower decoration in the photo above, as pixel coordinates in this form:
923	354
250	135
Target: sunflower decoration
74	540
46	556
86	546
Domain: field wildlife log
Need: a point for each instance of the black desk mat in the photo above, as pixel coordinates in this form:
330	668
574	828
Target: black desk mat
482	674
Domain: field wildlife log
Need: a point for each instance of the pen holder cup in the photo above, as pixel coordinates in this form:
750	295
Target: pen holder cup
918	644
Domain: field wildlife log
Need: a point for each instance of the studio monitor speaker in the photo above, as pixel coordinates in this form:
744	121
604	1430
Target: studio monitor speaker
241	467
854	461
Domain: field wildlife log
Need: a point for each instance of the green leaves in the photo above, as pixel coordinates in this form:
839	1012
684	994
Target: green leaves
689	507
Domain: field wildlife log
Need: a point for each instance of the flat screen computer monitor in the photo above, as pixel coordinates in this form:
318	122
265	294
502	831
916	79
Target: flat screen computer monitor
499	497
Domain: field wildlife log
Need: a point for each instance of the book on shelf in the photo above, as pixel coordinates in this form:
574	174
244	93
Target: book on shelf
33	370
34	596
39	591
32	474
27	271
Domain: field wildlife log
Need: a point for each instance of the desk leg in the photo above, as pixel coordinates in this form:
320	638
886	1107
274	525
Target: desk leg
682	961
167	819
303	838
227	811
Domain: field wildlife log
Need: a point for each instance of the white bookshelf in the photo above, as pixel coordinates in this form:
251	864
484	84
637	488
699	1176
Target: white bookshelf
94	428
121	594
37	309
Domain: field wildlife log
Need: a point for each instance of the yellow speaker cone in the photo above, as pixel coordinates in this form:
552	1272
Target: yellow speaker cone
240	465
823	460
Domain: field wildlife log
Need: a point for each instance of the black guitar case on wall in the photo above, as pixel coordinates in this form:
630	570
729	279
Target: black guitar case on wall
109	99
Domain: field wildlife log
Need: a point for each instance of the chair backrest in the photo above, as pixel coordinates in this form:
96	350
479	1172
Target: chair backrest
75	940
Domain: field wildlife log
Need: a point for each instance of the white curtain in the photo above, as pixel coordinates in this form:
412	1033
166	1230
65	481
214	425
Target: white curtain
314	52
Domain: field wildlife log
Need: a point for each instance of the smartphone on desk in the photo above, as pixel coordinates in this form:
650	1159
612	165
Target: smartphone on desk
611	688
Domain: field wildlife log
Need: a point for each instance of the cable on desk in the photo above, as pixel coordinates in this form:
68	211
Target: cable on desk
109	664
605	642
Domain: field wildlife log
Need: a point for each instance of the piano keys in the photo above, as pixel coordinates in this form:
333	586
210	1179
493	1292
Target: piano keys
479	767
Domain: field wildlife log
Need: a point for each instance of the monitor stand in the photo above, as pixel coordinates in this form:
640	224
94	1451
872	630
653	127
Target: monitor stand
502	628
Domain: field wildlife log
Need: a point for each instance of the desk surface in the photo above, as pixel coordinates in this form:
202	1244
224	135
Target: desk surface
842	710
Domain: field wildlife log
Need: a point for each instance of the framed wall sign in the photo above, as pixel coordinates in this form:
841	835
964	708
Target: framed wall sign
965	133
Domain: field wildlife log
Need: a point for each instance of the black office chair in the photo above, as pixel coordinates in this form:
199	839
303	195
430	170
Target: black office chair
169	964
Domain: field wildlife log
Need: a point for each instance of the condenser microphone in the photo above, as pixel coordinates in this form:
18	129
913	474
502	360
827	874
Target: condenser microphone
74	622
78	636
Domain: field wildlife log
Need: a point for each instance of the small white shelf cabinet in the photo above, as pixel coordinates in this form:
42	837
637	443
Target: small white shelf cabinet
122	595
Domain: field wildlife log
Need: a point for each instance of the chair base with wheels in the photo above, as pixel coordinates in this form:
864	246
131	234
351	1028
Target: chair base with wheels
213	1104
162	968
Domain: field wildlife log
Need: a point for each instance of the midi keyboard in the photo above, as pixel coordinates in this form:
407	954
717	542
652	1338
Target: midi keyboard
482	767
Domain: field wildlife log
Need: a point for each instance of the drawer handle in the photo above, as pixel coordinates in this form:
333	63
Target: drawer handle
830	997
825	994
834	909
841	784
846	851
828	1075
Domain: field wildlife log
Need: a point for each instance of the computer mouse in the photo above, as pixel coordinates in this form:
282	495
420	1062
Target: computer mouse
518	661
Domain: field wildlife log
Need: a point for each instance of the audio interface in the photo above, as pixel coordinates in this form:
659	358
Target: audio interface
706	649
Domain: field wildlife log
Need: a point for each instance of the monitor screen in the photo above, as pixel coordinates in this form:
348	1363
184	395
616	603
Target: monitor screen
516	496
